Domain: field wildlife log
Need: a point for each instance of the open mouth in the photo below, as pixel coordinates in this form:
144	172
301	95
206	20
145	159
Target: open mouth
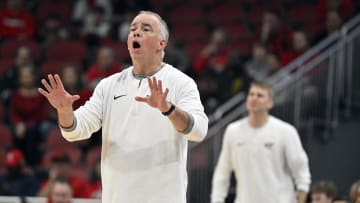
136	45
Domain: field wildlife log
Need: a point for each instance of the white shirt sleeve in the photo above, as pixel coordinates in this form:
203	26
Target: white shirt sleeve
88	118
221	179
189	101
297	161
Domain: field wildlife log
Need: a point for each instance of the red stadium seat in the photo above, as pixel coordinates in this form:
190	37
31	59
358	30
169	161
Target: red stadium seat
237	32
67	50
256	15
225	14
303	14
63	10
188	32
5	65
187	14
194	49
6	139
9	48
55	139
120	49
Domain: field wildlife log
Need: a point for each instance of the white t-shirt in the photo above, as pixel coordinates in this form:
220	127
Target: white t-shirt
143	156
265	160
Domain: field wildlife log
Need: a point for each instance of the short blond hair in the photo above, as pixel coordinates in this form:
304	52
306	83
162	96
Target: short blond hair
265	86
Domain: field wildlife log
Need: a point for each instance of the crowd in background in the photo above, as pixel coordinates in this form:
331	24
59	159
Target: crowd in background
223	45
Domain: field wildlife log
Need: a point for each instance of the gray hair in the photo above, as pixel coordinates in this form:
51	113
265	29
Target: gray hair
164	30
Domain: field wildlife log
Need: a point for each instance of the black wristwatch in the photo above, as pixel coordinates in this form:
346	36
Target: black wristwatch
172	108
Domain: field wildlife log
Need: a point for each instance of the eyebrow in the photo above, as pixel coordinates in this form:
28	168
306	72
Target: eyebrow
143	24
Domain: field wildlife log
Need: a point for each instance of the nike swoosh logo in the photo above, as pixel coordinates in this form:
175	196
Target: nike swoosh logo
117	97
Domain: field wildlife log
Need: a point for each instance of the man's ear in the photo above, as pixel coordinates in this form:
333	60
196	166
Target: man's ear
163	44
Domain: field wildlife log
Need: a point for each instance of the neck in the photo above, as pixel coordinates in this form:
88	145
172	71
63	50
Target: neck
257	120
146	68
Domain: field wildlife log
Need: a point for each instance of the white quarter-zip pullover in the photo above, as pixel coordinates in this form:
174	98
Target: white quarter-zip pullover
143	156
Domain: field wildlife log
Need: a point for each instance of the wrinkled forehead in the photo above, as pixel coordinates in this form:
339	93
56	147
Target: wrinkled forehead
145	19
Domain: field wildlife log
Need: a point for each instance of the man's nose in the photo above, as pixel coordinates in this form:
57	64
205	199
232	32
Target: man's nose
136	34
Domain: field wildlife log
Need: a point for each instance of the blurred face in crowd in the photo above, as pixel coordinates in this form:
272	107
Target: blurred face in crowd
146	38
70	77
218	37
272	20
259	52
273	63
27	77
320	198
61	193
258	100
299	41
23	56
333	21
105	57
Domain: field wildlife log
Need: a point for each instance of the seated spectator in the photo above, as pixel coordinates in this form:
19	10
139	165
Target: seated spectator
28	111
95	189
73	83
8	82
333	22
256	67
82	8
323	192
16	22
344	7
105	66
61	168
176	57
17	181
52	31
215	55
275	34
95	27
299	46
61	191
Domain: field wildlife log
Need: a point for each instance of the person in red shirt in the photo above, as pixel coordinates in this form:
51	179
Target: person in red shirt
299	46
60	168
16	22
28	111
215	54
276	35
105	66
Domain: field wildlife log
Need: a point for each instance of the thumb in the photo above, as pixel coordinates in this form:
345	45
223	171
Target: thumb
75	97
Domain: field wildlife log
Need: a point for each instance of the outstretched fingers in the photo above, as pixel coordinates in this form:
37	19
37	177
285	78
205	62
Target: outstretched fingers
52	81
58	81
43	92
46	85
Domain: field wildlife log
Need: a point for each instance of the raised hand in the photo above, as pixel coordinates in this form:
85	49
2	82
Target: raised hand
157	99
58	97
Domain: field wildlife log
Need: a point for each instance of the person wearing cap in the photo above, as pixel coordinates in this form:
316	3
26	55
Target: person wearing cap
61	168
17	180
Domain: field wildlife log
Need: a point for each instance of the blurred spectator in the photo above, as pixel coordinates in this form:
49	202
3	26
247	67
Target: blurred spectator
323	192
61	192
299	46
214	57
8	82
72	81
333	22
95	189
124	26
105	66
28	110
61	168
354	193
17	181
16	22
52	30
273	64
176	56
345	8
83	8
96	27
274	33
256	67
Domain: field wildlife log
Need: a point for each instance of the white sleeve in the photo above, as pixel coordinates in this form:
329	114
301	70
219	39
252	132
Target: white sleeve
297	161
88	118
189	101
221	178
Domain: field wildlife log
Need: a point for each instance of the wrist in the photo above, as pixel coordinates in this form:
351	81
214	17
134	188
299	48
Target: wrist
169	110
